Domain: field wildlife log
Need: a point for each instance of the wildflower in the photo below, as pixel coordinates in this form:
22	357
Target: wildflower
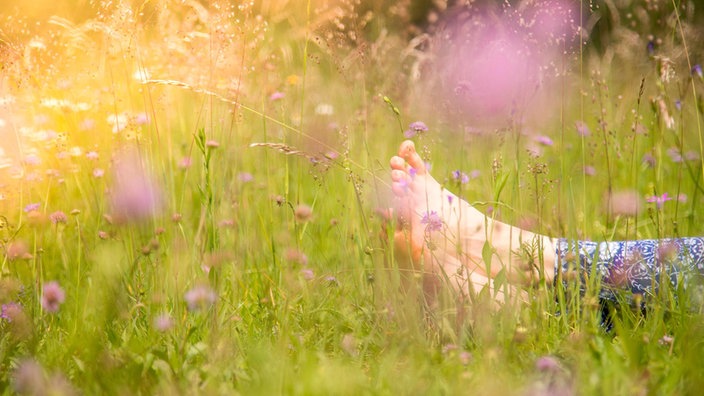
666	340
307	274
103	235
226	223
212	144
163	323
678	105
415	128
135	194
29	378
589	170
176	217
432	221
675	155
9	311
697	69
276	96
58	217
98	173
582	128
544	140
52	297
17	250
303	213
648	160
296	256
691	155
460	177
200	297
547	364
245	177
465	358
31	207
92	155
32	160
141	119
659	200
185	163
625	203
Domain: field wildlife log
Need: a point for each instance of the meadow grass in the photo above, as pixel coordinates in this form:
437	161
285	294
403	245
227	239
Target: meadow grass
202	181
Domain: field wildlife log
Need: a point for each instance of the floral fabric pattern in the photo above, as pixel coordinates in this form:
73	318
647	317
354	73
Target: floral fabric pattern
637	266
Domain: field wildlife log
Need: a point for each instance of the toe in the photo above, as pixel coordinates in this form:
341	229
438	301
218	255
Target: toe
397	163
407	151
399	175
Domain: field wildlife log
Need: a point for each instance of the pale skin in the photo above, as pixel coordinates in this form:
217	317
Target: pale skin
446	238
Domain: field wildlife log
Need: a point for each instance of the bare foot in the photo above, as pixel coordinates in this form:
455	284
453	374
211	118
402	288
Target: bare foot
447	239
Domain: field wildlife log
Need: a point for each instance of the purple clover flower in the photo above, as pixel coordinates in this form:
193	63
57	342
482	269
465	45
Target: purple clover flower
416	128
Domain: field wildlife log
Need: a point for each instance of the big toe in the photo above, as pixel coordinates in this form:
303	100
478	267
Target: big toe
408	152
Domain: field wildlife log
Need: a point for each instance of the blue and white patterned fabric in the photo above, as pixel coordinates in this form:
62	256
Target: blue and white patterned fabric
637	266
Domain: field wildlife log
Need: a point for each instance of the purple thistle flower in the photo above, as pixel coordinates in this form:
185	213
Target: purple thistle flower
432	221
697	69
415	128
659	200
52	296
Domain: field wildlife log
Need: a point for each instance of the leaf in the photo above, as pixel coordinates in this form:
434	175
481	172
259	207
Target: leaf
487	252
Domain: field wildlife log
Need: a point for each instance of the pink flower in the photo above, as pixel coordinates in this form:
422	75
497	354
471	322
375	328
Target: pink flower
136	195
544	140
58	217
52	297
659	200
200	297
276	96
